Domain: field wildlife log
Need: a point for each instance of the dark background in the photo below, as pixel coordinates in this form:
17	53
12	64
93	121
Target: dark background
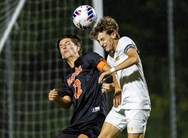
145	21
30	64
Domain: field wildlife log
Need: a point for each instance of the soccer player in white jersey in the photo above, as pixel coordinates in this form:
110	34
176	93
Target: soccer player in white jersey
123	57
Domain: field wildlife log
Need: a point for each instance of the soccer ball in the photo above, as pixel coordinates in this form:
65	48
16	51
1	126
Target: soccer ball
84	17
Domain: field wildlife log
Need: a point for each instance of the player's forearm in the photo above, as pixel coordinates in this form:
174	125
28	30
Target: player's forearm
63	102
127	63
115	83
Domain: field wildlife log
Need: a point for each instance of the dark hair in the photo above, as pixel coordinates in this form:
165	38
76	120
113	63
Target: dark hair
74	38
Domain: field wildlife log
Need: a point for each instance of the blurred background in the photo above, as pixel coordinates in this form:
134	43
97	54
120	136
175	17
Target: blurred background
30	64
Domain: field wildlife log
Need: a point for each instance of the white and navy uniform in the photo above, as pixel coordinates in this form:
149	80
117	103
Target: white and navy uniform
135	97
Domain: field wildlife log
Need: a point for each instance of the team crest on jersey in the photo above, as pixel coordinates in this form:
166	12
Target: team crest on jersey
117	58
72	78
77	82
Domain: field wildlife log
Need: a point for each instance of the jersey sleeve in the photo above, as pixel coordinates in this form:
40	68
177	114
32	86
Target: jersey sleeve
127	44
65	89
95	60
101	64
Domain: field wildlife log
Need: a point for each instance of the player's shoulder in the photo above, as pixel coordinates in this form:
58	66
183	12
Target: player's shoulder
125	39
91	54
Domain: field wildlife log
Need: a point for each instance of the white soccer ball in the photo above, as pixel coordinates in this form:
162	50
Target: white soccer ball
84	17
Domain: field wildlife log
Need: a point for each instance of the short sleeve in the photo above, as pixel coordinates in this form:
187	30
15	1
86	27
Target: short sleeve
93	59
66	89
127	43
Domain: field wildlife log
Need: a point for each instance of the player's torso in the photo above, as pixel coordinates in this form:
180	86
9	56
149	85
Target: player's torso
88	99
131	80
82	81
120	56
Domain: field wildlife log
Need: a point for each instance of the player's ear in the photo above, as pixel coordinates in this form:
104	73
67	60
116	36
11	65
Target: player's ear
113	35
78	48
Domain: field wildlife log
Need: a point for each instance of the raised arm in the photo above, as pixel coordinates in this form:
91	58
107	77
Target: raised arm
133	58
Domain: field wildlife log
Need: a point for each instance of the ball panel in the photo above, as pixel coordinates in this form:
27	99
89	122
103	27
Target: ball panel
84	17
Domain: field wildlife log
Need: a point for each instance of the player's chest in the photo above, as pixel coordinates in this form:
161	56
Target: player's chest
80	75
117	58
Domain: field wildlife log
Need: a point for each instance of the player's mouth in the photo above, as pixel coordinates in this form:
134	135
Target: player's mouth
65	53
104	46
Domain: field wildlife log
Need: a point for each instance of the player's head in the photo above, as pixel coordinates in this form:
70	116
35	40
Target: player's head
106	33
69	45
75	39
106	24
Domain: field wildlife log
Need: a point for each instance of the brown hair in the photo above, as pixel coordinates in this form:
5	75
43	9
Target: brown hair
107	24
74	38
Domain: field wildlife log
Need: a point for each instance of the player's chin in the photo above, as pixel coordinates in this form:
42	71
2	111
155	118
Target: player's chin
107	49
66	56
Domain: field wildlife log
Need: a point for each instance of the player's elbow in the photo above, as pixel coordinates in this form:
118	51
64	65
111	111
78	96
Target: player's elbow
135	60
65	102
66	106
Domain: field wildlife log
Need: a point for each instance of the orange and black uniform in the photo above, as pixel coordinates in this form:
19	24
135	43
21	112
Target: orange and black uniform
89	103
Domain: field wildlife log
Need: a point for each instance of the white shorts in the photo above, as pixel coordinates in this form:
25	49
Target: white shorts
134	120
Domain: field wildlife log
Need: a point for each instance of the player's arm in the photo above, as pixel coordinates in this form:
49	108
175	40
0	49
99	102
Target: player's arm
64	101
117	90
133	58
107	87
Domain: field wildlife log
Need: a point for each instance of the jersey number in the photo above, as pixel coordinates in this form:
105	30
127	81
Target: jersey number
77	88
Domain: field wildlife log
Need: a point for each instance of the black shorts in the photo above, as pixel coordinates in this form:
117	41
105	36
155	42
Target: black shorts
90	129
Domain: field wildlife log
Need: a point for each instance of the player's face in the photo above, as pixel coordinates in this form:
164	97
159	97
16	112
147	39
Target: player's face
107	41
68	48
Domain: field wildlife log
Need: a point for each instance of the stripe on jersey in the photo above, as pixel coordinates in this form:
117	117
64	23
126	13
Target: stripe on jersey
101	64
128	47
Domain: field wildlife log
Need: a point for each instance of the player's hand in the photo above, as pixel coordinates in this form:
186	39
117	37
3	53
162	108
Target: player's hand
105	75
117	98
53	95
106	87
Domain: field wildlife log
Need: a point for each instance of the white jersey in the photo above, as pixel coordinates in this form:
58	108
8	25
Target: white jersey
132	81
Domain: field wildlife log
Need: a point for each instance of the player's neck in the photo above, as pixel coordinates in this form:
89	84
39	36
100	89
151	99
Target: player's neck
71	61
115	45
